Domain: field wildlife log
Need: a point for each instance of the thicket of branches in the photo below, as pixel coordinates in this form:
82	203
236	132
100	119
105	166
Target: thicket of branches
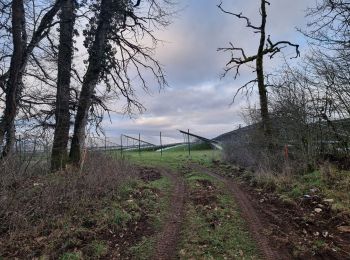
62	62
308	102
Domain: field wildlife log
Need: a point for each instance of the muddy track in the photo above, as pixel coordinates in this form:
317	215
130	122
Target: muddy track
168	238
251	216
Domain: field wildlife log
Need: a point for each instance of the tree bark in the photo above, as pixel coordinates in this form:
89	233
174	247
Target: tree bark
11	87
20	56
59	154
90	80
264	111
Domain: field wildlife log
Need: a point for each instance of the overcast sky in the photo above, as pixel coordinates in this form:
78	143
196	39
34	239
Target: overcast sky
197	99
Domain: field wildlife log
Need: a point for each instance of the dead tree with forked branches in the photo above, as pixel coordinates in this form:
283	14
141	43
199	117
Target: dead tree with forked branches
266	47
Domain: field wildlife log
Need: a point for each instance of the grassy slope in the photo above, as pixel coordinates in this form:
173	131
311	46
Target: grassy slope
101	213
171	159
329	183
213	228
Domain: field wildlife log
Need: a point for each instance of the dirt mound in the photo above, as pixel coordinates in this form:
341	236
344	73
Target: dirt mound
204	196
308	228
149	174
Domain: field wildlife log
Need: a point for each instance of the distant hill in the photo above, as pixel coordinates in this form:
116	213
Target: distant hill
341	127
239	133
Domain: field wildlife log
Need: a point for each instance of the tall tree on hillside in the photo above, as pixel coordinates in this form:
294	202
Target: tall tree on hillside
65	51
21	53
96	53
266	47
117	56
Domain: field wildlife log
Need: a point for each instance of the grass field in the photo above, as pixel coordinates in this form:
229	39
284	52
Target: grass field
213	227
171	158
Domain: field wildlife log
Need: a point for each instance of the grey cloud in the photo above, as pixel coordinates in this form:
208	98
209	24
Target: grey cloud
197	98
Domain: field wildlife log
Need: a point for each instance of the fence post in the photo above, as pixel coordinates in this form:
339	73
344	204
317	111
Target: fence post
139	144
188	140
161	145
121	145
20	147
105	143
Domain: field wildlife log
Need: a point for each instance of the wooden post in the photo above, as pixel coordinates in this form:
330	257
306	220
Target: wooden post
121	145
161	146
188	140
139	144
16	143
20	147
105	143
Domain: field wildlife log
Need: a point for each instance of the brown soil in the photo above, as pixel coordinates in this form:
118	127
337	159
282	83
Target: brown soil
296	226
167	240
293	228
149	174
255	225
85	228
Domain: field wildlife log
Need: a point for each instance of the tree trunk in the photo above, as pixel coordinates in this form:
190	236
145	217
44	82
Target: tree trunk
264	111
59	154
7	121
20	56
90	80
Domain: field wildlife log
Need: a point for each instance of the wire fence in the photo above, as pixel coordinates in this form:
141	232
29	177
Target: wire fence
38	148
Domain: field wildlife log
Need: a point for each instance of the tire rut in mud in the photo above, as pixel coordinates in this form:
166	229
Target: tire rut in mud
255	225
168	238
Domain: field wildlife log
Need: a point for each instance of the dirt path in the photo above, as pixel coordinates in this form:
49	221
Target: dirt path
168	238
251	216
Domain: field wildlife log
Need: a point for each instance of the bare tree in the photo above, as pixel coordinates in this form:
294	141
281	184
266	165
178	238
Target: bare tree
65	51
266	47
19	59
329	24
114	42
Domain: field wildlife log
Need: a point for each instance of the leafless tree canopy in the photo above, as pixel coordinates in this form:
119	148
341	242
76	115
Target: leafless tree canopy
265	47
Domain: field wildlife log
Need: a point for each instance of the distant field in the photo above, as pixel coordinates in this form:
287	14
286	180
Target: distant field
173	158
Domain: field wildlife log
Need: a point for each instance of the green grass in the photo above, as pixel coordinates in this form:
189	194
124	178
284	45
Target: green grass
71	256
228	238
193	147
157	210
97	249
172	159
144	249
330	183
